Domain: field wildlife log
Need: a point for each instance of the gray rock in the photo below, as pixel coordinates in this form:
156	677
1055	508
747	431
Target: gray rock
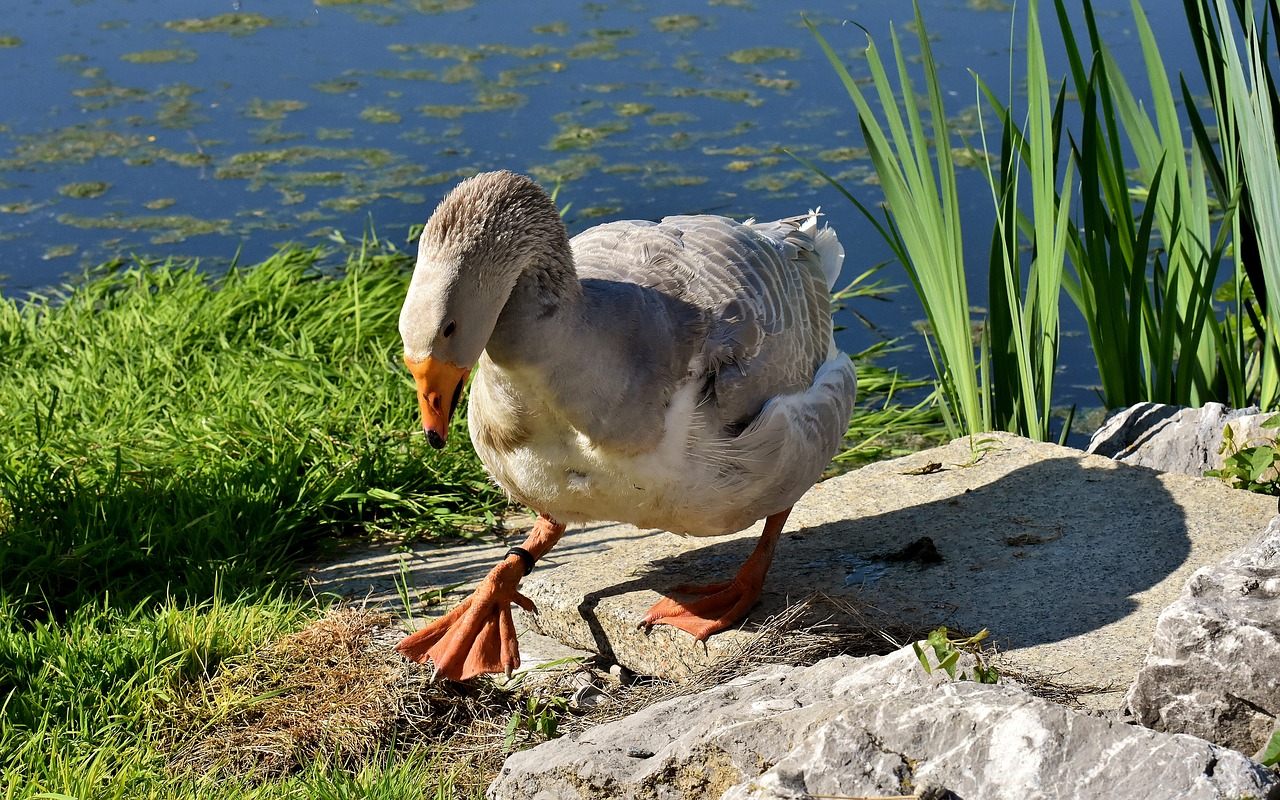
876	726
1213	669
1174	438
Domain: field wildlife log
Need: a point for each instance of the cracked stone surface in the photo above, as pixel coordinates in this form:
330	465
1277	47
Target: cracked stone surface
1212	670
873	727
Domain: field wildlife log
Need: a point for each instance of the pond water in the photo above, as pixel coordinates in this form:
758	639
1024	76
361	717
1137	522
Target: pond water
166	128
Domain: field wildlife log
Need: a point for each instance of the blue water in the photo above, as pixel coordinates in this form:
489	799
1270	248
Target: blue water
366	112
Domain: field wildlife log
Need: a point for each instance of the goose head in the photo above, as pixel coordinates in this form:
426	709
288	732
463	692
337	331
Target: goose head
493	236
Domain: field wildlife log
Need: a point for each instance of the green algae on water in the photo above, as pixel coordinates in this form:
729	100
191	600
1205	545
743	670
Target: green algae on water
272	109
739	150
465	72
666	181
443	111
84	190
169	228
406	74
336	85
632	109
575	136
274	133
182	56
782	85
438	50
379	115
323	178
76	145
440	6
222	23
499	101
670	118
566	170
59	251
595	212
10	41
681	23
844	154
759	55
371	156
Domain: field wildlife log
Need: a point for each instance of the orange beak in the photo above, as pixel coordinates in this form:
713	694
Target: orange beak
439	387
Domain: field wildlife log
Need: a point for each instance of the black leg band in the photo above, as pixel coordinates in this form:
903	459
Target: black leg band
525	556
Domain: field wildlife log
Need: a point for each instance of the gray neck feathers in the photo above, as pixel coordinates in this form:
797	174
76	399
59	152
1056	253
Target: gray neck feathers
506	228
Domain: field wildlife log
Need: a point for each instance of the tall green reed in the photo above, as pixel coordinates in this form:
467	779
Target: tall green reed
1143	278
1242	157
1005	379
1144	260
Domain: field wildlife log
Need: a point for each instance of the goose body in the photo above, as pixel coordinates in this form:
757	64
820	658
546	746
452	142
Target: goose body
679	375
699	389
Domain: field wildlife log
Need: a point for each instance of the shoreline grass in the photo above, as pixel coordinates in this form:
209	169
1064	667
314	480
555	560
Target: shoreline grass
172	448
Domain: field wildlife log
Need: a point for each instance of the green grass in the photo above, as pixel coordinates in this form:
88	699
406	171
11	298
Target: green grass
172	448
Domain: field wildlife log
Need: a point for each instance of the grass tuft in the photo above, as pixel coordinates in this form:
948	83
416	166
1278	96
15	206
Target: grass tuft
171	447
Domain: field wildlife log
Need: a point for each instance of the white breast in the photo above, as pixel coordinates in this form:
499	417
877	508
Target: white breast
558	470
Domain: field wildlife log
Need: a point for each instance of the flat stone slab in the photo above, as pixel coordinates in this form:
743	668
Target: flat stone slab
1067	558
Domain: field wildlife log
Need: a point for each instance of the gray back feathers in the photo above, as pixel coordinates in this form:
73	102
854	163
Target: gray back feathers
761	290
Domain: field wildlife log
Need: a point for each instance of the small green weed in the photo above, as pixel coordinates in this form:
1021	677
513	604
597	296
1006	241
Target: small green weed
947	652
1250	466
1271	753
540	718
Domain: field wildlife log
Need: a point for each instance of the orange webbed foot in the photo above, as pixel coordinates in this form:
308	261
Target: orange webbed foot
478	637
722	605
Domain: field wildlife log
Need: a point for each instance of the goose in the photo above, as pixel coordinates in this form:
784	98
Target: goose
677	375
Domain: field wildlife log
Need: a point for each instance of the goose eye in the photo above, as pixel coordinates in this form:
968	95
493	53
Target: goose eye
448	329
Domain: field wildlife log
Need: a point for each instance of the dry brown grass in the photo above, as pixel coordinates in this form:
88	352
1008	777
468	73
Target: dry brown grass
804	633
336	693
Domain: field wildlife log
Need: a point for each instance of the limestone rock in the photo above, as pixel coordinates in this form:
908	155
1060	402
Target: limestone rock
1213	669
1176	439
877	726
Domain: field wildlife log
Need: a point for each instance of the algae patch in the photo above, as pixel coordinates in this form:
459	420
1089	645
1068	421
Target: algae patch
58	251
182	56
222	23
677	23
87	189
379	115
759	55
272	109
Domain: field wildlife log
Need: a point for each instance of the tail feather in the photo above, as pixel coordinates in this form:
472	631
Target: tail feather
827	246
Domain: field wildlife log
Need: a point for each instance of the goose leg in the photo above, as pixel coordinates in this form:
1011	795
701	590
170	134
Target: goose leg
478	636
722	604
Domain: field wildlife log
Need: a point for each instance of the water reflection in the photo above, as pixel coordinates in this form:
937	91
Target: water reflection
140	127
